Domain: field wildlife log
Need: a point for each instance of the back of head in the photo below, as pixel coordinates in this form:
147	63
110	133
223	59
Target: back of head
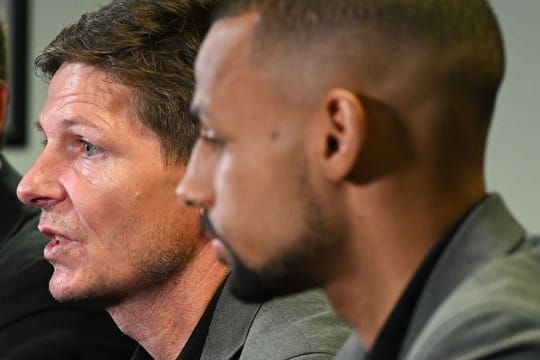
360	44
149	46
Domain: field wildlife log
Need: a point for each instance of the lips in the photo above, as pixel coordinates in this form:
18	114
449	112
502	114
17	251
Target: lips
59	245
221	251
57	239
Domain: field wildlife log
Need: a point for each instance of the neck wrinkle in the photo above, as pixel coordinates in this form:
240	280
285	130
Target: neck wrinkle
162	320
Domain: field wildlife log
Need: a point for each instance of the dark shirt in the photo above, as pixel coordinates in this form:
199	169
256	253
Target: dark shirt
390	339
195	344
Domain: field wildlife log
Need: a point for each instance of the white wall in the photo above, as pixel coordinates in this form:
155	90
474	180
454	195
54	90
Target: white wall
514	147
513	165
47	18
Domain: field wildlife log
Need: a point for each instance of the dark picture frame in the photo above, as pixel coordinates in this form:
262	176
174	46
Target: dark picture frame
15	14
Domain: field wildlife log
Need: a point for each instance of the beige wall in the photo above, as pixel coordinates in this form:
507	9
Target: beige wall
514	147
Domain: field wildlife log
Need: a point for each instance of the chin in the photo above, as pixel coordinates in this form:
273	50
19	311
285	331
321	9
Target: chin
280	277
60	285
62	293
253	286
68	290
65	289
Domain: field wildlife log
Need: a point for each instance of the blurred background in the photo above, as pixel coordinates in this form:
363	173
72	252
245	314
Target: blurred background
513	166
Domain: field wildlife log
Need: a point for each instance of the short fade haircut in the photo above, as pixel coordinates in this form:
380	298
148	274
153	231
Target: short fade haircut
463	33
149	46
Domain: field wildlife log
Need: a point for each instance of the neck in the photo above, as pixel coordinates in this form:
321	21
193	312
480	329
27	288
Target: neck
387	245
152	317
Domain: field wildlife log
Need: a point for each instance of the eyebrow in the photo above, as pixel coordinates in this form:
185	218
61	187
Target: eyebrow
68	123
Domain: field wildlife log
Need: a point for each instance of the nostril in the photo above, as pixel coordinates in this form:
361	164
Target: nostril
190	203
185	200
40	202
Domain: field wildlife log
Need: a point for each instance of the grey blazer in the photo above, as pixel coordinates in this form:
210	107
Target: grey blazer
487	234
302	326
494	314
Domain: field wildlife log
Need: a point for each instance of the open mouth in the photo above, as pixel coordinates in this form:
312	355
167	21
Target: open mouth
57	239
57	246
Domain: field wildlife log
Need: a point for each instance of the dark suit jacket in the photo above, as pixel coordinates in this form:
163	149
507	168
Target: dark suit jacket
32	324
488	234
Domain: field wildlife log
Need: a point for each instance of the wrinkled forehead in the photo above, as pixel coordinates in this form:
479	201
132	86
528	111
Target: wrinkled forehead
79	79
80	90
225	50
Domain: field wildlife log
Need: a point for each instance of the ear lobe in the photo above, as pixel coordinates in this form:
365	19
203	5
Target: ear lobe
345	133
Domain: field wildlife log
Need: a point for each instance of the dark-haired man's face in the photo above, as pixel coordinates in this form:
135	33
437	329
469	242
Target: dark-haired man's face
250	170
105	193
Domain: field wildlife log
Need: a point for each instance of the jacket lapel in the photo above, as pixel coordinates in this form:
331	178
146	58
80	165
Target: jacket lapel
490	231
229	327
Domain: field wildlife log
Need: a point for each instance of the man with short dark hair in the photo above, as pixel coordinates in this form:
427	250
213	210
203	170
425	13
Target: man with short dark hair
32	324
118	135
353	132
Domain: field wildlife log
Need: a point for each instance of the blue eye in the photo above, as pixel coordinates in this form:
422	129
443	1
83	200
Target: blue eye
90	149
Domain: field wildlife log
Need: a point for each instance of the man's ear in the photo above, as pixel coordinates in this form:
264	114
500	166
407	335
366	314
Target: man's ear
345	133
4	95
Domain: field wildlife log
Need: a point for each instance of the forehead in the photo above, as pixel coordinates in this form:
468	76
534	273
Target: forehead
224	54
82	94
86	83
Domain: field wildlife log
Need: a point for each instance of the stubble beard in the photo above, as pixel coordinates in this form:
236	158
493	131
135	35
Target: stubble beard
157	268
297	269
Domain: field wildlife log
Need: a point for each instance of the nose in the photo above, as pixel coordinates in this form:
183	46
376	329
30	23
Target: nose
40	186
196	187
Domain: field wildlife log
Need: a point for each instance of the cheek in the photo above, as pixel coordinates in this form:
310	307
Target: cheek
234	190
106	214
259	225
101	173
105	201
237	181
254	202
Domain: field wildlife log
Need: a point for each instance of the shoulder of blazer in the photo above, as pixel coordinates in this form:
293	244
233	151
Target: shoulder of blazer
496	311
489	232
